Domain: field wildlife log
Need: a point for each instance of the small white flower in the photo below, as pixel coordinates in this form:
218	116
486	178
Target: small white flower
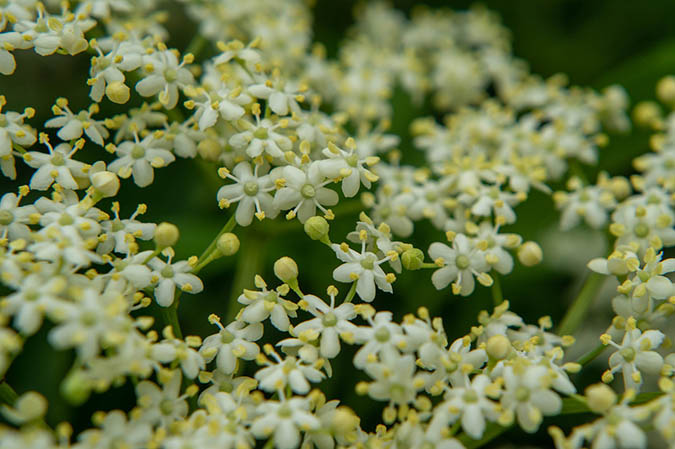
251	191
162	406
290	372
232	342
14	219
284	419
261	137
139	158
460	264
73	125
348	166
266	303
57	166
362	268
164	75
304	191
169	276
395	378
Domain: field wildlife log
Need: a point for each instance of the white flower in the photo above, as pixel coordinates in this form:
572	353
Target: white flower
224	102
348	166
282	96
330	322
290	372
139	158
55	166
489	200
265	303
251	191
164	75
261	137
527	392
395	378
120	234
115	429
460	264
382	336
108	68
73	125
636	354
14	219
304	191
36	296
169	276
162	406
13	131
284	419
471	403
232	342
362	268
591	203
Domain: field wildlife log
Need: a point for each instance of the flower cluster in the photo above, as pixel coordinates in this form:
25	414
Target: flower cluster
294	134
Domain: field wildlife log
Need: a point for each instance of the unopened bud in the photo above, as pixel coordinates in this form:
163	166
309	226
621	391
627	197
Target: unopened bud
29	407
286	269
166	235
317	228
647	113
665	90
106	183
117	92
498	347
530	254
209	149
412	259
76	388
600	397
228	244
344	421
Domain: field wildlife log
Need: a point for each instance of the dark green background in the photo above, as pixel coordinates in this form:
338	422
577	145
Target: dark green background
596	43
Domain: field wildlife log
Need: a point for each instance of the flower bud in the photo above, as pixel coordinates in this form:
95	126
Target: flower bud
665	90
117	92
105	182
228	244
209	149
76	388
647	113
344	421
317	228
498	347
29	407
166	234
286	269
412	259
600	397
530	254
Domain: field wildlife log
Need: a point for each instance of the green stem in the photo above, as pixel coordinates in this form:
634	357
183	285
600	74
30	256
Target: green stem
170	316
577	311
496	289
196	45
351	292
7	394
591	355
427	265
492	431
248	265
211	251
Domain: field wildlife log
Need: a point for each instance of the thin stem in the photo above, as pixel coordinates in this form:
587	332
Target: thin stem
7	394
577	311
170	316
196	45
492	431
248	265
591	355
428	265
351	292
496	289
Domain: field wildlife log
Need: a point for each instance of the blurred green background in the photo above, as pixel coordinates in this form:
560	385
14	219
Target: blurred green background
596	43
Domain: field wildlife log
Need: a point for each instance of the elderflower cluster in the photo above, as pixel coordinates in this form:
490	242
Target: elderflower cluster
293	134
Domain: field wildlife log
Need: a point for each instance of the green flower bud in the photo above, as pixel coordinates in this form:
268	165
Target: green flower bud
228	244
76	388
530	254
166	235
498	347
317	228
600	398
286	269
412	259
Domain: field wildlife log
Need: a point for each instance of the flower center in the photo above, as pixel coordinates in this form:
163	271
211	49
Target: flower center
261	133
3	120
226	337
522	394
66	220
628	354
641	230
57	159
352	160
166	407
382	334
88	318
462	261
251	188
117	226
368	262
137	152
308	191
6	217
170	75
167	272
431	196
470	396
284	411
329	319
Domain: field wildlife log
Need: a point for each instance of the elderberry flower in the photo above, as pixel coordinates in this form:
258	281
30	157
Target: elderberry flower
290	372
57	165
231	343
14	219
267	303
304	191
394	378
122	234
381	336
362	268
164	75
283	420
348	166
139	158
73	125
251	191
161	405
460	264
171	275
330	322
38	294
261	137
